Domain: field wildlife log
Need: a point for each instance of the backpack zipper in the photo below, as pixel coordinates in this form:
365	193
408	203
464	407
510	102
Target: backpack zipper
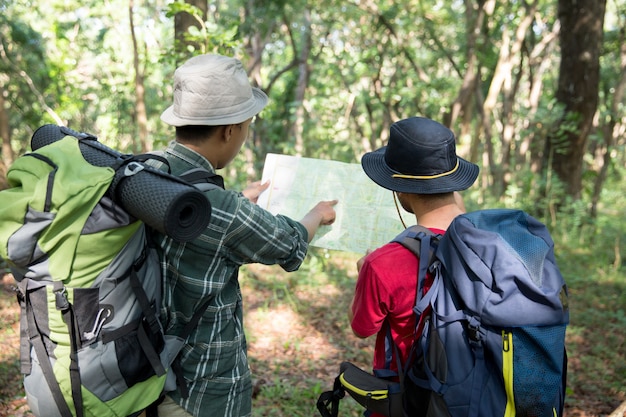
374	394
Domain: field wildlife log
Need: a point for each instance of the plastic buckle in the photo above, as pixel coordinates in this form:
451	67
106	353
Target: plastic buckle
21	297
473	330
61	301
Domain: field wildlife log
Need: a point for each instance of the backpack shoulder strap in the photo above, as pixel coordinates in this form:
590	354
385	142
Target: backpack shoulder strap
411	237
177	369
154	156
203	179
423	242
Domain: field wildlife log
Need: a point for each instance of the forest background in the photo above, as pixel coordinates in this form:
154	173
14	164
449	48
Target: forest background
534	90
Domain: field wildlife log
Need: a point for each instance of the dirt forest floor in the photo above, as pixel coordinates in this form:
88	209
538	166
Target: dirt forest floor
282	345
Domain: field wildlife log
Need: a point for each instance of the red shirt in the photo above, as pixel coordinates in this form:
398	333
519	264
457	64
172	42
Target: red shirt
385	291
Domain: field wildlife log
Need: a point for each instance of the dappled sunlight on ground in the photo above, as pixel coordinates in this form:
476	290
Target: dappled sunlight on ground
277	334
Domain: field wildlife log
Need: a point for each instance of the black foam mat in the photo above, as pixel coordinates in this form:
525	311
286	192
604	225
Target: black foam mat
162	201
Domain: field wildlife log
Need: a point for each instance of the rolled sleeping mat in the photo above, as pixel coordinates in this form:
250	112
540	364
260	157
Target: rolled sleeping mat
162	201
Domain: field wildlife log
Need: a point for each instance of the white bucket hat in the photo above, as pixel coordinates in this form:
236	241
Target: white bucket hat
213	90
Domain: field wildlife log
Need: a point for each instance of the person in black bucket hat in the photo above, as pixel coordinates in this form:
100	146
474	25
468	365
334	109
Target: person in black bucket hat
420	165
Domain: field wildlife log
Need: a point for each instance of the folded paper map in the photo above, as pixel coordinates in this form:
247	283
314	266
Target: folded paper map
366	214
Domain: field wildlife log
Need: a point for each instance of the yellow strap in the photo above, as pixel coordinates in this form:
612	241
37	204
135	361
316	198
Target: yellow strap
507	372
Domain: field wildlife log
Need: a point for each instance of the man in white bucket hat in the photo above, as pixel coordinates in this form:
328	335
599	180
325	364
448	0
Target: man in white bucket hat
214	105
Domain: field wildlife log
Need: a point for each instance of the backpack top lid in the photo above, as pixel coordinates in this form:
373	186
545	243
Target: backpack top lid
501	263
46	209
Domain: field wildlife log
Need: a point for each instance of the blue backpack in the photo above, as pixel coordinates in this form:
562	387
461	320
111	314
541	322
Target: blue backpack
493	341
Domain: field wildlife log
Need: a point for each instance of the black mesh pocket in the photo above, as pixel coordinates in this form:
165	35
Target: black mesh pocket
138	354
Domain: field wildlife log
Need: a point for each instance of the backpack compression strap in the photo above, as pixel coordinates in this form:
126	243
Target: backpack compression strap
69	317
331	398
44	359
151	319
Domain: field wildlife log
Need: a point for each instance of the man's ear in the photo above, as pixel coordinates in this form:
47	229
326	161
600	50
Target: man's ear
228	132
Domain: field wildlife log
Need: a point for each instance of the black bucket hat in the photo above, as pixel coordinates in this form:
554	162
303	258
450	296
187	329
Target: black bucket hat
420	158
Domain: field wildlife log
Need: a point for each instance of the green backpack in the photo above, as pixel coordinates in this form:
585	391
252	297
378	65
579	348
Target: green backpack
75	229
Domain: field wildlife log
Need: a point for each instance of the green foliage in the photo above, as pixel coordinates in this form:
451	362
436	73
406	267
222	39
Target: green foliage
23	49
590	262
568	125
212	37
590	255
370	63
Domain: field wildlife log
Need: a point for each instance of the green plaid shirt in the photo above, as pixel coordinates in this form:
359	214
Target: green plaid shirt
214	360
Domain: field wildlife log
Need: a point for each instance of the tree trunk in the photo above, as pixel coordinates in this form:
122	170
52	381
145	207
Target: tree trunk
255	153
182	22
475	17
304	74
581	42
141	116
611	130
540	60
504	87
5	134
